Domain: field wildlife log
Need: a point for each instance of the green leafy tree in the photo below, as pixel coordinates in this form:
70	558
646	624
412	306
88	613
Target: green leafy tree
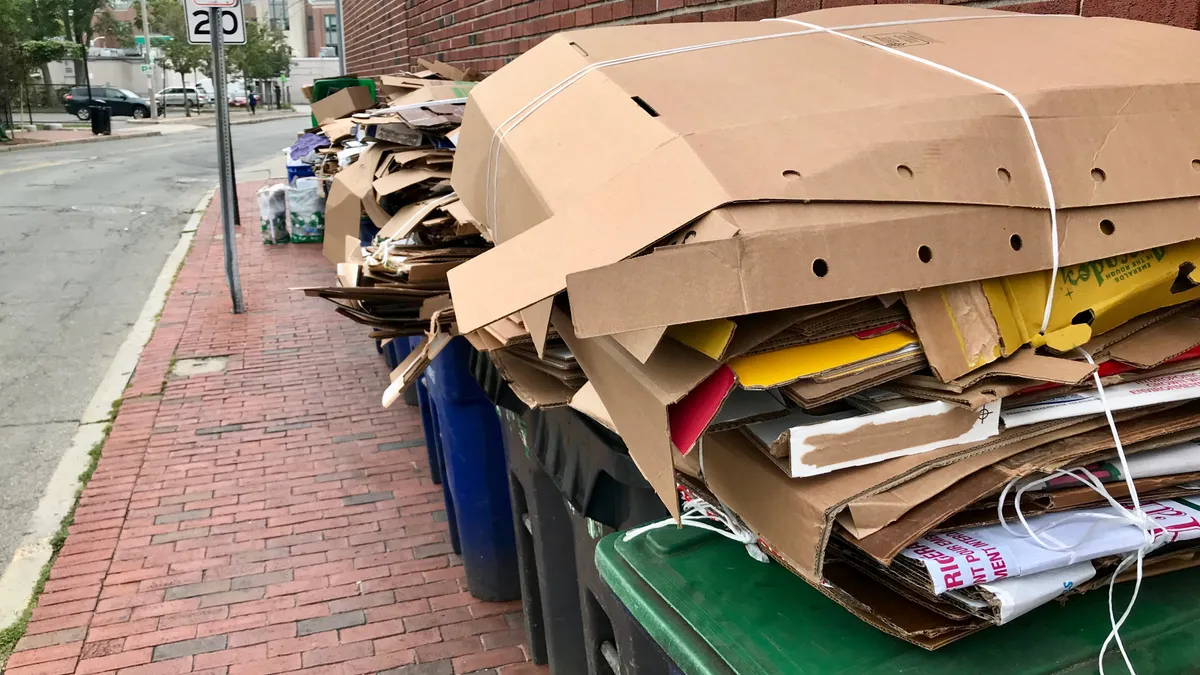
78	20
265	56
167	18
120	31
26	29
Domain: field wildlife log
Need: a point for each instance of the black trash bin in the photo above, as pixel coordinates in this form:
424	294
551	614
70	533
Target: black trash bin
101	117
571	481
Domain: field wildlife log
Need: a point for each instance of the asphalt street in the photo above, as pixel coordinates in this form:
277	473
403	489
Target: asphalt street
84	231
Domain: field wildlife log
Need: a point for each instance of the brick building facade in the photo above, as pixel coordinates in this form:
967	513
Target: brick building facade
384	36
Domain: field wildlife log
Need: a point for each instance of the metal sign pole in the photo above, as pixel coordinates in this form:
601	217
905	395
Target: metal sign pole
228	202
149	60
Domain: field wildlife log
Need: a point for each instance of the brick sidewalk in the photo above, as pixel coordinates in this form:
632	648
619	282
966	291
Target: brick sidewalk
270	518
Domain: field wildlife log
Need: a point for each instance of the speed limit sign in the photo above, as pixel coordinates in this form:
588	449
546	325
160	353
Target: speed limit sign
199	21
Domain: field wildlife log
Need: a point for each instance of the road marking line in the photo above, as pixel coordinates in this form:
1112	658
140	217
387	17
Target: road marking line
21	573
43	165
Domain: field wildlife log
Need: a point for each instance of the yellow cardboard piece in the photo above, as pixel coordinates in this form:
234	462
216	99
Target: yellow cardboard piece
1107	292
966	326
710	338
779	367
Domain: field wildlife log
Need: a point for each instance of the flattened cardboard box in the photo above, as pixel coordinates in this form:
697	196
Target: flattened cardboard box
861	133
343	103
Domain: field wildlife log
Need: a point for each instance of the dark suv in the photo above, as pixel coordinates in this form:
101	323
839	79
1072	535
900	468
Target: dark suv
122	102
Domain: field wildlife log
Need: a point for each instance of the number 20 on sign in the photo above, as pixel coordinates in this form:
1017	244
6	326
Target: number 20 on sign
199	20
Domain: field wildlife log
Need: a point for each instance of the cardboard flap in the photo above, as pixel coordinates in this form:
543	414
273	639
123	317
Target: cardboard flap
538	252
371	205
1159	342
710	338
770	503
338	130
536	318
403	178
637	411
587	401
343	211
342	103
1029	365
409	218
405	375
690	416
641	343
534	387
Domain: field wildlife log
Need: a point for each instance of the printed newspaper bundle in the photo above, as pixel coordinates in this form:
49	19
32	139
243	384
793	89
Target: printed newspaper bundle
865	303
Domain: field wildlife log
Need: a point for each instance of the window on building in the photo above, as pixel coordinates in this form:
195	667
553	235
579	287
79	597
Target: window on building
277	14
308	22
331	30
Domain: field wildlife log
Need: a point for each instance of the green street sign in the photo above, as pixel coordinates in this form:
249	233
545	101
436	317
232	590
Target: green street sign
138	39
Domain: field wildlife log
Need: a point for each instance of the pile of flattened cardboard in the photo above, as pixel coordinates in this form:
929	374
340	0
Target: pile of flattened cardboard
844	288
393	225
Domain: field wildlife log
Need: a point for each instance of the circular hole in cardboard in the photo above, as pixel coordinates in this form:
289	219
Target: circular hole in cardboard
791	174
1003	174
1107	227
925	254
1015	242
904	171
1196	164
820	267
1098	175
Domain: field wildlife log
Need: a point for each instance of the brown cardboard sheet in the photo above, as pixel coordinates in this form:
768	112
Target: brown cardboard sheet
637	396
588	402
691	146
342	103
960	492
814	393
797	515
1161	341
533	386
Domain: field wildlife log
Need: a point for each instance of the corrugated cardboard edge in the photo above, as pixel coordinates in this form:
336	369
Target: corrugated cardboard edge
536	318
588	402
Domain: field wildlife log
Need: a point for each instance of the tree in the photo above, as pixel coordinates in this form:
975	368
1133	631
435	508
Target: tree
78	18
265	56
121	31
26	29
167	18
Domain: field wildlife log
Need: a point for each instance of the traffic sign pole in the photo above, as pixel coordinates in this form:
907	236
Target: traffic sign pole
149	61
225	160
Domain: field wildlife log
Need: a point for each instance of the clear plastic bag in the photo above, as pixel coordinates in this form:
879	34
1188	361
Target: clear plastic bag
307	207
272	211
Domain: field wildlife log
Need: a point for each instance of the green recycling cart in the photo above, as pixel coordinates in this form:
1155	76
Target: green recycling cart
697	594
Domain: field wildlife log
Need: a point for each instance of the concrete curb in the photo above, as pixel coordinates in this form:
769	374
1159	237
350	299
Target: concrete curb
209	121
20	575
73	141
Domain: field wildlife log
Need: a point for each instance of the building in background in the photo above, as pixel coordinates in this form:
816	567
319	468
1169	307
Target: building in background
384	36
310	25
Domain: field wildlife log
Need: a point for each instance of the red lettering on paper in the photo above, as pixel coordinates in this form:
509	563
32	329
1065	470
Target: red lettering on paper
952	579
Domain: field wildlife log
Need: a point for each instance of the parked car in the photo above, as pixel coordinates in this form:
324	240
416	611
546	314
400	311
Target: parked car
178	96
238	101
206	96
122	101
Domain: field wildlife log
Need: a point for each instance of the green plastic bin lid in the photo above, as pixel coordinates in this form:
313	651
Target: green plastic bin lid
689	587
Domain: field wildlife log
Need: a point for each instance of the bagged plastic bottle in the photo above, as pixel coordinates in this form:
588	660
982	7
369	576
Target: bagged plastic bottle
272	211
307	207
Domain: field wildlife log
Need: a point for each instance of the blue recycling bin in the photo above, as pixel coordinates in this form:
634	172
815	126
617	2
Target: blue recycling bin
437	461
476	472
420	397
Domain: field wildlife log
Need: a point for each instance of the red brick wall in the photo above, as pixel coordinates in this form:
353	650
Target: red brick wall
383	36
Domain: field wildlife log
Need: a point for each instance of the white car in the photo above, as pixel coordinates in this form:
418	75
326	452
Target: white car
178	96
